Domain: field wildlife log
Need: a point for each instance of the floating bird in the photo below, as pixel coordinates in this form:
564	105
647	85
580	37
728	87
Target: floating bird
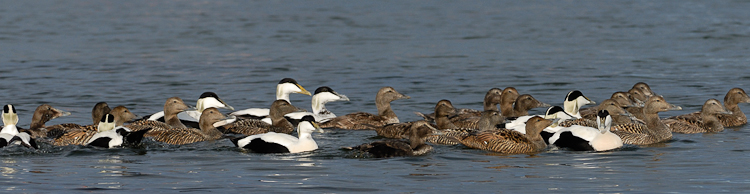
172	107
582	138
280	124
10	135
368	121
285	87
191	117
42	115
272	142
707	122
416	145
210	119
109	136
574	100
322	96
488	122
654	131
510	141
82	134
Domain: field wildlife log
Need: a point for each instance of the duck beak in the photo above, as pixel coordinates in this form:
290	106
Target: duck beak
317	127
225	121
226	106
305	92
590	101
60	113
674	107
343	97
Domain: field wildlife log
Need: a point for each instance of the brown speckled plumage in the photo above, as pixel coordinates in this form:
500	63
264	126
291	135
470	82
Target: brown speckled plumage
253	126
510	141
394	148
180	136
654	131
368	121
706	121
487	122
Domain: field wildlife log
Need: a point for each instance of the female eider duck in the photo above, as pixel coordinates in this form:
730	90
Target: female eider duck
510	141
82	134
322	96
654	131
109	136
491	100
707	122
488	122
210	119
443	110
280	124
368	121
285	87
619	115
582	138
511	104
42	115
272	142
99	110
733	97
621	98
191	117
9	134
639	98
172	107
643	87
416	145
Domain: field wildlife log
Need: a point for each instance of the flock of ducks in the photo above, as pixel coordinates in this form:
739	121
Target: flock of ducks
504	125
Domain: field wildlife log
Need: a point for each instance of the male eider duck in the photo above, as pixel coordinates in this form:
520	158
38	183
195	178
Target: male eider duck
285	87
9	134
582	138
279	123
322	96
654	131
619	115
272	142
210	119
510	141
707	122
99	110
109	136
191	117
82	134
574	101
416	145
368	121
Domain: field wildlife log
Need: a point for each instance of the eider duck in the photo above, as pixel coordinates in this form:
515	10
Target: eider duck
9	134
99	110
523	104
368	121
191	117
416	145
210	119
582	138
707	122
488	122
510	141
109	136
172	107
82	134
574	100
733	97
654	131
643	87
272	142
42	115
322	96
621	98
640	98
285	87
491	100
280	124
619	115
443	109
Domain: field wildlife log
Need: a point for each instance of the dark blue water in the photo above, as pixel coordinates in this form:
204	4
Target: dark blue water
72	54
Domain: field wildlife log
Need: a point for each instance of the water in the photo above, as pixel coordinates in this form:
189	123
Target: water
72	54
